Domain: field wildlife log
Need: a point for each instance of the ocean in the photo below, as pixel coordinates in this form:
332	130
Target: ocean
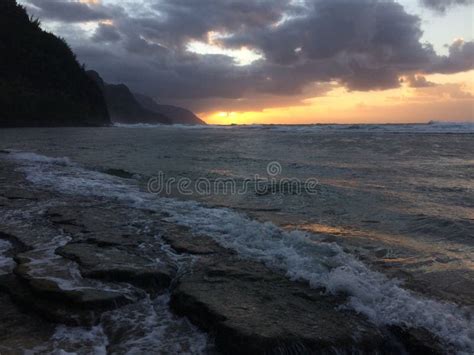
382	213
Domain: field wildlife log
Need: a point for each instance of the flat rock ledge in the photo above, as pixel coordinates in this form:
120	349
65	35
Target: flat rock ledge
120	265
103	261
80	258
50	286
254	313
250	309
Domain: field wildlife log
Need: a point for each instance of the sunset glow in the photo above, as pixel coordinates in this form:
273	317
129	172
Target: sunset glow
450	100
236	176
281	62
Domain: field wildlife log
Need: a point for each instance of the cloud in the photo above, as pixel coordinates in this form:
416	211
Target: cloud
417	81
68	11
370	41
453	91
443	5
460	59
106	33
361	44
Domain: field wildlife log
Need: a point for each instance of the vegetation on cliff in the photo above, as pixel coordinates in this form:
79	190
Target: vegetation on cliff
41	82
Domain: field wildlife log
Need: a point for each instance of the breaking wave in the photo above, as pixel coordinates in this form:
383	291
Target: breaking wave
433	127
301	255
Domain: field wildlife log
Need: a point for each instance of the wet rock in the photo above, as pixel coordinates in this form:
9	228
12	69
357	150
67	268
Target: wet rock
48	308
17	246
56	278
418	341
120	265
183	241
20	331
454	285
100	224
109	238
51	286
252	310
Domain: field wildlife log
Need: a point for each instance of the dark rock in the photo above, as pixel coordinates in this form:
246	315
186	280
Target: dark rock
50	286
252	310
454	285
54	278
17	245
418	341
20	331
96	224
48	308
183	241
120	265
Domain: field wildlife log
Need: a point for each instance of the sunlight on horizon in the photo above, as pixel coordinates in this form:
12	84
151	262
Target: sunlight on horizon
451	99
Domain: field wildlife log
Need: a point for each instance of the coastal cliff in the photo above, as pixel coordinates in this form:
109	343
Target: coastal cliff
128	107
177	115
123	106
41	82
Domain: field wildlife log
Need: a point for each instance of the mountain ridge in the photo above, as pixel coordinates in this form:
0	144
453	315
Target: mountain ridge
129	107
41	82
123	106
178	115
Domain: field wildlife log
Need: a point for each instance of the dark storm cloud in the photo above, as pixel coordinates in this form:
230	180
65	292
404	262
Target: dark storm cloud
362	44
183	19
67	11
443	5
106	33
373	42
460	58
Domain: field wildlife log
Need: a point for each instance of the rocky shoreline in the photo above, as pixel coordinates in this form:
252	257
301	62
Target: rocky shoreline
74	261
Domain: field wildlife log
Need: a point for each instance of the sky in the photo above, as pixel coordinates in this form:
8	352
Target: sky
280	61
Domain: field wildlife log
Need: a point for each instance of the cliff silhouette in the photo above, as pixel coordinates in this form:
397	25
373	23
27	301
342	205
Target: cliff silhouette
128	107
177	115
123	106
41	81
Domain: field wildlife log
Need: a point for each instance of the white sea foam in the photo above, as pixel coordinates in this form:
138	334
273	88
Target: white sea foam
302	255
145	327
149	327
33	157
431	127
